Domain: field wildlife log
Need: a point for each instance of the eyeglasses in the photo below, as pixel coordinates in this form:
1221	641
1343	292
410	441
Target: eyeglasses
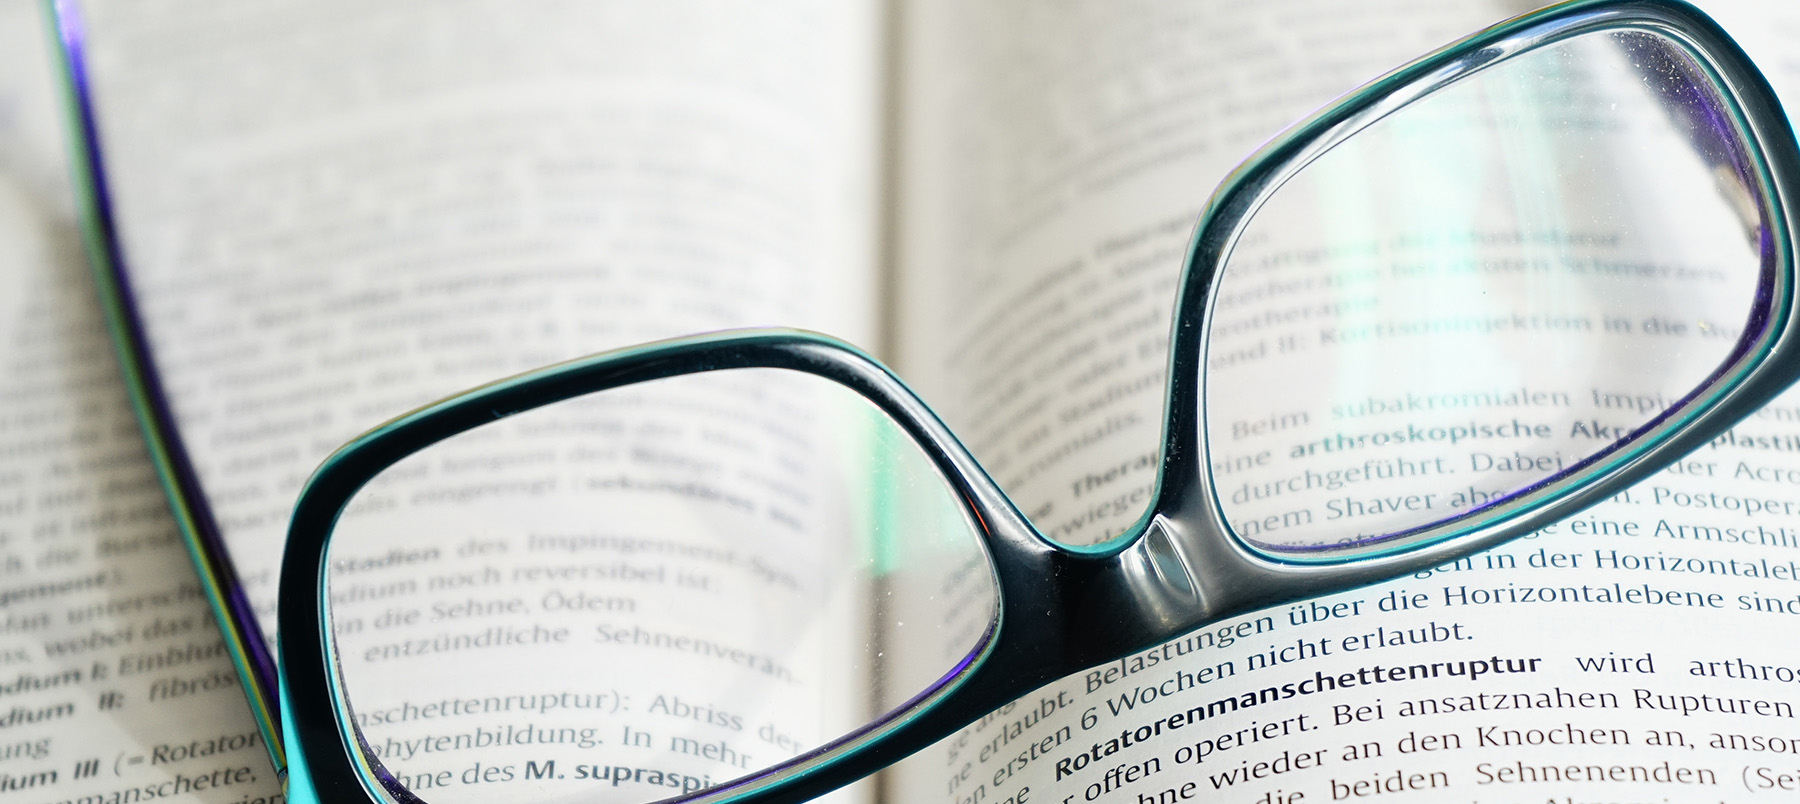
1494	287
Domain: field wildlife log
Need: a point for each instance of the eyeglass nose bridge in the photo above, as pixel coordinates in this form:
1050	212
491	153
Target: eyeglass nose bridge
1181	574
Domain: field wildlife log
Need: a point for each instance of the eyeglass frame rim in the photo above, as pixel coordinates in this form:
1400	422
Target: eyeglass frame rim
1155	540
1242	193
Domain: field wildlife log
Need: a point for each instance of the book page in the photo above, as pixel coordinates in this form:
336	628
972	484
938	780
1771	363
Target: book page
1633	652
113	677
114	682
334	213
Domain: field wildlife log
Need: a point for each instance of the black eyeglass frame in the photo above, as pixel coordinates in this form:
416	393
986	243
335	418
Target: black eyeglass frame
1061	609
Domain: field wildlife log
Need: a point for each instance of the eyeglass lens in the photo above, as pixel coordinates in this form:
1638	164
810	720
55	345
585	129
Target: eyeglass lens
1478	294
712	574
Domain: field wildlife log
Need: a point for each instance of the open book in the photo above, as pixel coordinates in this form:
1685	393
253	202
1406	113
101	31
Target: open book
336	212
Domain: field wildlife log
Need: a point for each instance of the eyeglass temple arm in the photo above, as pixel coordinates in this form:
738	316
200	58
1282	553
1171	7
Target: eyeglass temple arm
224	590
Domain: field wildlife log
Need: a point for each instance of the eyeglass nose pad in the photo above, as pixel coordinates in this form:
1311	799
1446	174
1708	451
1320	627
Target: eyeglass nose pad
1181	572
1159	567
